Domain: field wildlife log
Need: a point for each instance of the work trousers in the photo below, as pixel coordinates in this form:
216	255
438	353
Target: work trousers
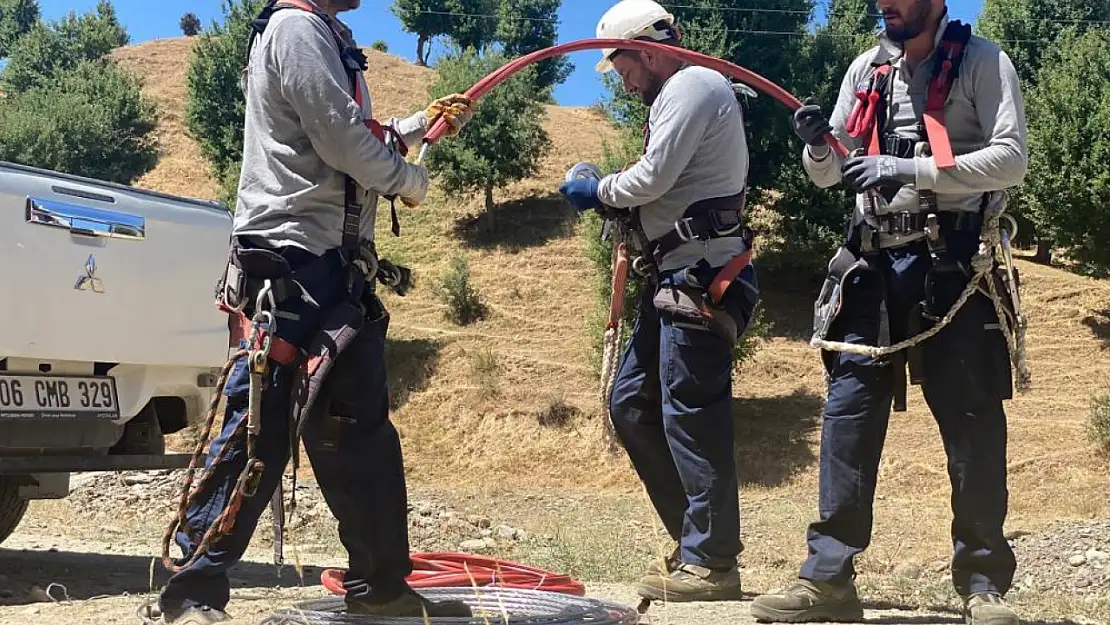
354	450
671	408
966	375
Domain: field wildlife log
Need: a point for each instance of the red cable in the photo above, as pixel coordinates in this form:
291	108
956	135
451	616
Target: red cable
442	569
483	86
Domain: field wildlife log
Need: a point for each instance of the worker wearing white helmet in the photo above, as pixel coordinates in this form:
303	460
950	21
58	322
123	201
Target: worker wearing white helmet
671	402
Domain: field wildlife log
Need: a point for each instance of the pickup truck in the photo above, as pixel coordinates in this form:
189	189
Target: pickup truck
109	337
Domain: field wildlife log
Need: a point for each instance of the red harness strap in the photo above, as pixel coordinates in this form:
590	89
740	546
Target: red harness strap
862	118
281	351
939	87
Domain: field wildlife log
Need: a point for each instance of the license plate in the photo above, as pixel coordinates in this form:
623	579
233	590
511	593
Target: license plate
63	397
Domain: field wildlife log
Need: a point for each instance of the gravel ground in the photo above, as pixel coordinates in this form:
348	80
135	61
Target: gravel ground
1072	556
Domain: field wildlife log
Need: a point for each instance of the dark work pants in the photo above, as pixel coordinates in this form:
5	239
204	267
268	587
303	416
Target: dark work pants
362	479
672	409
966	371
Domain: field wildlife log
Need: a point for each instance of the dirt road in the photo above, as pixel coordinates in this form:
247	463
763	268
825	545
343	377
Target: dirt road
101	583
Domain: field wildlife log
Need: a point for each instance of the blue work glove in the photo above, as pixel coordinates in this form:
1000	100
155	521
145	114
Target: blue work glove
865	172
582	193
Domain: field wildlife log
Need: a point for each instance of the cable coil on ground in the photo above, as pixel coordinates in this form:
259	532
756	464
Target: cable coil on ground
490	606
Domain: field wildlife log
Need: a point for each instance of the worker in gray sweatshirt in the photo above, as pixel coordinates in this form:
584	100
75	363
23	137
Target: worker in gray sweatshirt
303	267
671	402
943	136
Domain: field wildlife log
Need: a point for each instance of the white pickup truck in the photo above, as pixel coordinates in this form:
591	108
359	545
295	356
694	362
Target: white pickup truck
109	338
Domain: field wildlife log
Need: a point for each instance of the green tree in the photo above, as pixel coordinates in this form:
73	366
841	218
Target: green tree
1068	186
478	160
190	24
90	121
812	220
215	110
69	107
472	23
47	49
427	19
16	19
529	25
1027	29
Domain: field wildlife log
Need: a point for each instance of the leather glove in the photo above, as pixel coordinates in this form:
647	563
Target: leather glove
582	193
811	125
456	108
864	172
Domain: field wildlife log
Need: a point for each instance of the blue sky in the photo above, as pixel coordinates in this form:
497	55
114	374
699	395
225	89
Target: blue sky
154	19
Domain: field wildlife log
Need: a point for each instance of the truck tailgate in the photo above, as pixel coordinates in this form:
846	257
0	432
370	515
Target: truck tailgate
101	272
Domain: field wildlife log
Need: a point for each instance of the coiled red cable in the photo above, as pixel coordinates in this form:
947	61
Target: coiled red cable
445	569
483	86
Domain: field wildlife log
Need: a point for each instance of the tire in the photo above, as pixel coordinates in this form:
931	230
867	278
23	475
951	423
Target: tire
12	507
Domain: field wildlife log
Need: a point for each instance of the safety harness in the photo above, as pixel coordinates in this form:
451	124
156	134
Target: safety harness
261	279
867	119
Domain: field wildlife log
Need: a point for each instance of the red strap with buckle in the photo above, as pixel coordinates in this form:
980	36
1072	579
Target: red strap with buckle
281	351
727	274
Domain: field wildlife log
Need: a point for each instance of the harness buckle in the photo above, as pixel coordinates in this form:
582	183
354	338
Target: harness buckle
685	230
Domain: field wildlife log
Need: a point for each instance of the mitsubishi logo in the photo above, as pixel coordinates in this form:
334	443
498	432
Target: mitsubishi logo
89	280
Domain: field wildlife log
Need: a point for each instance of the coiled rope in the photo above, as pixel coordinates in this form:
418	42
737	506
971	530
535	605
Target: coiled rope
490	606
982	263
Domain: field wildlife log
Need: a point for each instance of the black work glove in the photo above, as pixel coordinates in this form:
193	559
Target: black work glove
811	125
865	172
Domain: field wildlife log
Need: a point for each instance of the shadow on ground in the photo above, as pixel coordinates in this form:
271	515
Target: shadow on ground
517	225
1099	323
79	576
409	363
770	437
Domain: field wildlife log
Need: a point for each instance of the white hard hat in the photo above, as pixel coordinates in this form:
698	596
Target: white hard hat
631	19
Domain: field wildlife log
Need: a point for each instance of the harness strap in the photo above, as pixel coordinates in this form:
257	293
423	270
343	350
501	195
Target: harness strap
702	221
868	114
945	71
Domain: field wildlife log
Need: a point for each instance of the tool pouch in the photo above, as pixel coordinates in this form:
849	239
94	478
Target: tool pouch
689	307
831	298
247	267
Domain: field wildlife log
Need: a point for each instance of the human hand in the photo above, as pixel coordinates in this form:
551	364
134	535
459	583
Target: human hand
864	172
582	193
811	125
457	109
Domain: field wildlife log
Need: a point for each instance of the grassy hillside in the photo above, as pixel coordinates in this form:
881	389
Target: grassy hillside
470	400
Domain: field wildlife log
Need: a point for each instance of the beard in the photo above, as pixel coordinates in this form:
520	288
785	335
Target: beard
652	89
913	24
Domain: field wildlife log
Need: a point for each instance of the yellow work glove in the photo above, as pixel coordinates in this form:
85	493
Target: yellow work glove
456	108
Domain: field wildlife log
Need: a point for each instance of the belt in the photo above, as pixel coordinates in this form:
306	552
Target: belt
905	222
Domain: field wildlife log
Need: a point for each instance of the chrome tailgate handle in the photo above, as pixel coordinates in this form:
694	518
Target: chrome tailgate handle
85	220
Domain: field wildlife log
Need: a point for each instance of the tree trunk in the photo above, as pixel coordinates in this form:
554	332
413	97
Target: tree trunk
1044	252
489	196
421	39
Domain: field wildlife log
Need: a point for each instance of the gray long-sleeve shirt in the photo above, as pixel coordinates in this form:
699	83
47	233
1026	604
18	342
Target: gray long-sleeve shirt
303	131
696	149
985	119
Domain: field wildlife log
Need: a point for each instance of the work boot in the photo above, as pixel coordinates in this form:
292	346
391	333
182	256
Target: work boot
808	600
988	608
152	614
408	604
689	582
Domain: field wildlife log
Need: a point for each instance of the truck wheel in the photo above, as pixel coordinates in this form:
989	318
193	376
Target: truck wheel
12	507
141	435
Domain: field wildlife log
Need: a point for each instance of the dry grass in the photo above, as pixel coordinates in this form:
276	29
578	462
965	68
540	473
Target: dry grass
526	259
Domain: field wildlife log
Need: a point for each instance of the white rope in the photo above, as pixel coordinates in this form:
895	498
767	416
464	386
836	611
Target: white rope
982	263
